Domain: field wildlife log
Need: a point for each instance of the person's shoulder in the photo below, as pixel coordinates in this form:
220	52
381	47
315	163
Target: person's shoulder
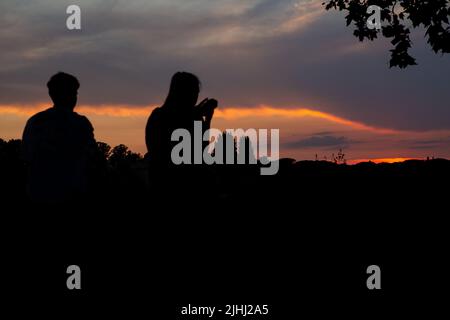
40	116
43	114
83	121
81	118
157	112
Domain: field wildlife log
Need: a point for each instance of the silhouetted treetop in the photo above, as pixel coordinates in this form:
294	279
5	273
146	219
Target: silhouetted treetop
10	151
122	156
396	17
103	150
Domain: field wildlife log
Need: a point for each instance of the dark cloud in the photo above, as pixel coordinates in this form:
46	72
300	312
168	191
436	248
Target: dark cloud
430	144
319	141
323	133
280	52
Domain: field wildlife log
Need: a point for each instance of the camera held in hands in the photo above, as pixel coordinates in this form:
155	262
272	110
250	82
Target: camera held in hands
206	107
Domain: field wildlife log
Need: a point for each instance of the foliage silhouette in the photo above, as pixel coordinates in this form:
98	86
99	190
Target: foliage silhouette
122	176
398	14
12	171
122	157
103	151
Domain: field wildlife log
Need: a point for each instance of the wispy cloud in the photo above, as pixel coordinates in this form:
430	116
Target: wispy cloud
228	113
319	141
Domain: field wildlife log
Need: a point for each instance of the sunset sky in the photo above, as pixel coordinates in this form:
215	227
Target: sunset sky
281	64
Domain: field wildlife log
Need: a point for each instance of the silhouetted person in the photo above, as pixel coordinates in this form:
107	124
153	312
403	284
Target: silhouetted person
179	111
58	145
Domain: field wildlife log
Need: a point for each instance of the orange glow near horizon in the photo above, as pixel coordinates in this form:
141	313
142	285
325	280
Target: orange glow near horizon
125	124
229	113
100	110
381	160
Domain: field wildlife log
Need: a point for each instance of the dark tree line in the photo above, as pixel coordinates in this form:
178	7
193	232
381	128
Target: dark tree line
121	178
113	170
117	172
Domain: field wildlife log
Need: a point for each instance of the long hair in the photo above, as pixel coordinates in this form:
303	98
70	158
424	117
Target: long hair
184	90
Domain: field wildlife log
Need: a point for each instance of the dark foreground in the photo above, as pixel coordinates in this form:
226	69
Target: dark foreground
300	241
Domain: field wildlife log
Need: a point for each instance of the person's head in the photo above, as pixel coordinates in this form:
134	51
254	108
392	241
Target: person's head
184	90
63	89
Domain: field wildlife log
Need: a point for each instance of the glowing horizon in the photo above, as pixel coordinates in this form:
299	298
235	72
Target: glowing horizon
314	131
229	113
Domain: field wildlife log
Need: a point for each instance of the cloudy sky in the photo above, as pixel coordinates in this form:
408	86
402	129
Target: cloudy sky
286	64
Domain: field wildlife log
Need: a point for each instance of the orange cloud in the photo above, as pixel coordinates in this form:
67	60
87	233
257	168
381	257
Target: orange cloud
100	110
125	124
267	111
230	113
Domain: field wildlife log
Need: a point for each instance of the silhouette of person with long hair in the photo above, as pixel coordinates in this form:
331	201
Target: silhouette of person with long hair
179	111
58	144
